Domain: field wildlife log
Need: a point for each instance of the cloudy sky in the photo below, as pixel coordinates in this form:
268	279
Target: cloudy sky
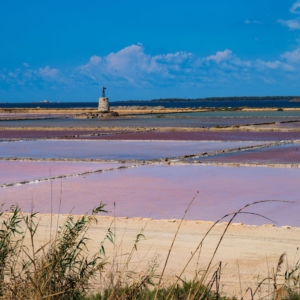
67	50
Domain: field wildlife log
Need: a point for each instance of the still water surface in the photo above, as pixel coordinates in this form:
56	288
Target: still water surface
111	150
146	122
164	192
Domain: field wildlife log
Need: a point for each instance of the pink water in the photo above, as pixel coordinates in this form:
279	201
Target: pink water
280	154
165	191
16	171
203	135
155	135
114	150
13	134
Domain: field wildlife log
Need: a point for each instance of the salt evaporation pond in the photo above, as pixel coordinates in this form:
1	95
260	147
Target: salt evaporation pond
206	135
289	125
16	171
279	154
280	126
146	122
36	134
5	116
161	191
237	114
111	150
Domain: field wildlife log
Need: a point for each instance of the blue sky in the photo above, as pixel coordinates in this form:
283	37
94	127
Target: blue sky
67	50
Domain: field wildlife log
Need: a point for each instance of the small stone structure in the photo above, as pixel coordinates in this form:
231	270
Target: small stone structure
103	105
103	109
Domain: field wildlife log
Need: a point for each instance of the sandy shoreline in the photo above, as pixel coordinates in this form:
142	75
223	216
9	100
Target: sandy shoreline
253	248
122	111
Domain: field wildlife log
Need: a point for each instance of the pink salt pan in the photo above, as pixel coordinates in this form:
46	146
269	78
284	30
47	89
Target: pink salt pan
114	150
16	171
164	192
281	154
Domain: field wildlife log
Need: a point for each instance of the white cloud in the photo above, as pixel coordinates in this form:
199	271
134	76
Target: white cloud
291	24
48	73
292	56
269	64
295	9
132	65
220	56
33	77
94	60
288	67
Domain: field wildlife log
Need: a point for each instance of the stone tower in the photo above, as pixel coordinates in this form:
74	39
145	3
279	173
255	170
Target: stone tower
103	105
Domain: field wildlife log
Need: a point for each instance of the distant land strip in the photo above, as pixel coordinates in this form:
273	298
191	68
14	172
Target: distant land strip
234	98
207	99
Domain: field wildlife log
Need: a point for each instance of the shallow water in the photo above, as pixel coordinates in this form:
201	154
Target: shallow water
111	150
287	125
237	114
16	171
164	192
208	135
142	122
15	134
278	154
8	116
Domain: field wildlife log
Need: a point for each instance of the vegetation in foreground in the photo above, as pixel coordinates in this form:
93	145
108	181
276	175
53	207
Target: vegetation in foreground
63	268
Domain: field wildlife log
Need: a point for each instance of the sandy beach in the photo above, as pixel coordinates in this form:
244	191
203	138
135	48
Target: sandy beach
248	252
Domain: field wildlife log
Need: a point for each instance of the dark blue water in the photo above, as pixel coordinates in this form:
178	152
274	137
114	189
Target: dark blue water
181	104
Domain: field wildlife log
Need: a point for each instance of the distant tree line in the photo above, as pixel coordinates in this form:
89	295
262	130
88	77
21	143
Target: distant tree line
243	98
211	99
